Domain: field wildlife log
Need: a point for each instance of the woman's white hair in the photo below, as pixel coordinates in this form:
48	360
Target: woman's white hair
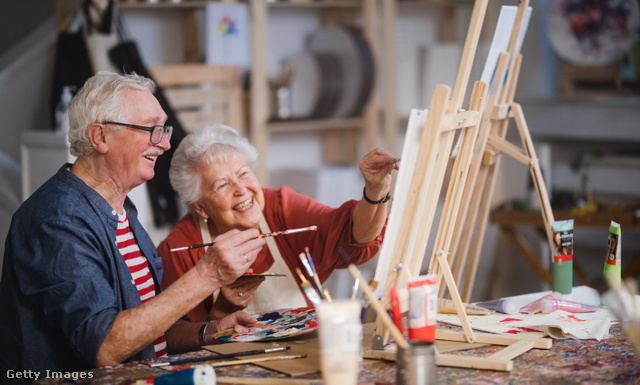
211	144
99	100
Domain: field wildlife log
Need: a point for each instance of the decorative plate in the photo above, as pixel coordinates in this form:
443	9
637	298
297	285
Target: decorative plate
356	65
593	33
278	324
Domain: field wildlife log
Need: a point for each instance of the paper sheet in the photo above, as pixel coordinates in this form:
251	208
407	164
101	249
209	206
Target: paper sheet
559	324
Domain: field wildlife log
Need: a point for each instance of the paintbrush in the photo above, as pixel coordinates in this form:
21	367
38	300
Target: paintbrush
253	360
265	235
316	277
219	356
380	311
307	288
314	281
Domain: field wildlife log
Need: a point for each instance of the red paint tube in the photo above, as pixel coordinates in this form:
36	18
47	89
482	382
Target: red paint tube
423	308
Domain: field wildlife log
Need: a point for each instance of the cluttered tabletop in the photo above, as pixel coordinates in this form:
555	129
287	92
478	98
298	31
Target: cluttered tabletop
582	351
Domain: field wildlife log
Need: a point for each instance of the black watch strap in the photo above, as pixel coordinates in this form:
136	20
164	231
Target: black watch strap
383	200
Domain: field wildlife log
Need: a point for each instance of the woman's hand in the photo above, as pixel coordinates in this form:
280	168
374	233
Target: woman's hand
237	320
242	291
235	296
376	168
229	257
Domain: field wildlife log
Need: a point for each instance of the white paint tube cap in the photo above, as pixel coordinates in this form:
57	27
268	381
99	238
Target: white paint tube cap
510	306
548	305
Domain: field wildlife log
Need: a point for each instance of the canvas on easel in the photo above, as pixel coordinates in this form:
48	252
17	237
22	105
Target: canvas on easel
419	200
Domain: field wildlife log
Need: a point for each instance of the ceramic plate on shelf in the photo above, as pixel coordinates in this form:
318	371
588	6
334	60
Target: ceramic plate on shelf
593	33
305	84
275	325
331	85
356	64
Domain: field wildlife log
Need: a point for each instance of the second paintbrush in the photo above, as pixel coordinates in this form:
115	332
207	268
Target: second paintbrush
266	235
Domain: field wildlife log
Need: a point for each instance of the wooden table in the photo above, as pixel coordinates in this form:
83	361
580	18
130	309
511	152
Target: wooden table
569	361
510	221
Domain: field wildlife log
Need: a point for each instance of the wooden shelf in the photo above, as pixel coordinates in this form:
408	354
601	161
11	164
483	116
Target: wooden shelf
314	125
434	3
164	5
274	4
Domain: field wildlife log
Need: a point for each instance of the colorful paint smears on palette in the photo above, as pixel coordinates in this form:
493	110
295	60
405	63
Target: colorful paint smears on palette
273	325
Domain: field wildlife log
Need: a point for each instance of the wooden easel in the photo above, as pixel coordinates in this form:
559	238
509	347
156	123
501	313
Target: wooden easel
444	118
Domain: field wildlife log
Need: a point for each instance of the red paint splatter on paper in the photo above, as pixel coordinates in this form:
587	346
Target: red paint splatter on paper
510	320
522	329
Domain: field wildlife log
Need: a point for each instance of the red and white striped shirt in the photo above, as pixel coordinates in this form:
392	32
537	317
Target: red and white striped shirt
139	269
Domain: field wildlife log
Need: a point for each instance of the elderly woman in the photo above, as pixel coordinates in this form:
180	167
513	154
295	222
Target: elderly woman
212	172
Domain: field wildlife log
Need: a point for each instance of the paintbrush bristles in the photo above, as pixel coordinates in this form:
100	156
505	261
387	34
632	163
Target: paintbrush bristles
291	231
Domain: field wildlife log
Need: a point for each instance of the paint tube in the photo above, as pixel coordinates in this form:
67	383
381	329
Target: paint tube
562	262
198	375
549	305
423	308
446	306
534	307
506	306
613	262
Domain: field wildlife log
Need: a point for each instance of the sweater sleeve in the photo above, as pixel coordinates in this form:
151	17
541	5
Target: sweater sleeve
286	209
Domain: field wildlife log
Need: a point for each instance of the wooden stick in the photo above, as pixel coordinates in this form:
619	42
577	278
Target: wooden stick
368	292
495	339
455	296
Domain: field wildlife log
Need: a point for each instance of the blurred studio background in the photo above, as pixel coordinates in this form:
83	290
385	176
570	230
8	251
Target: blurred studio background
317	84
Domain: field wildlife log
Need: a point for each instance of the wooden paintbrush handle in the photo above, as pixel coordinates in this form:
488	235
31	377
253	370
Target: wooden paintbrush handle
382	313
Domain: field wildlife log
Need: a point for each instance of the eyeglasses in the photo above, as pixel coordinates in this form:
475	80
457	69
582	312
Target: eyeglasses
156	132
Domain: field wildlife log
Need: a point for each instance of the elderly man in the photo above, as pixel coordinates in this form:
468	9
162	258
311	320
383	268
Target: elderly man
80	283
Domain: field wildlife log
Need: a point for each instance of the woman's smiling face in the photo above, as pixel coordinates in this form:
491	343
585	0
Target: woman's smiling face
232	197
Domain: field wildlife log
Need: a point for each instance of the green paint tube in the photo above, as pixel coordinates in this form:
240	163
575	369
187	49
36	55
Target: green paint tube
562	262
613	263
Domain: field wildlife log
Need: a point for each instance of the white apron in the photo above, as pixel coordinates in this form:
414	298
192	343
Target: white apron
274	292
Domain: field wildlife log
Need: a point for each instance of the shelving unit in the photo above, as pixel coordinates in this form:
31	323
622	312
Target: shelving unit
261	125
377	125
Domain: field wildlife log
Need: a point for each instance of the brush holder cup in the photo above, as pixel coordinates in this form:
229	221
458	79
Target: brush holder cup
416	365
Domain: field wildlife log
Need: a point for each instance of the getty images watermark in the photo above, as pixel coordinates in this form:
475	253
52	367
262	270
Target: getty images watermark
35	375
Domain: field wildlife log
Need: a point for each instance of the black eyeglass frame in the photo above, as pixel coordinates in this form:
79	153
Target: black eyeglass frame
166	130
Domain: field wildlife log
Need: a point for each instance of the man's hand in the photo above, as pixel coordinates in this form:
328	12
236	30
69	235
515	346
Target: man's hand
230	256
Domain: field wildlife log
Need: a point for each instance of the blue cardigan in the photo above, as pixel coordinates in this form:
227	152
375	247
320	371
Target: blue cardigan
64	280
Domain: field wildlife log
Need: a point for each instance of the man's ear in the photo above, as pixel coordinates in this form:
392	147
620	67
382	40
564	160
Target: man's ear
97	137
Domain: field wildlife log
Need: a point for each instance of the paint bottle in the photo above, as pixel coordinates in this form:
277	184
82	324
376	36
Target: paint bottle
198	375
562	261
506	306
423	308
340	338
613	262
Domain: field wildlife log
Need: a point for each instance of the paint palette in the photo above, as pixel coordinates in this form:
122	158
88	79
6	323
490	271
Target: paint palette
277	324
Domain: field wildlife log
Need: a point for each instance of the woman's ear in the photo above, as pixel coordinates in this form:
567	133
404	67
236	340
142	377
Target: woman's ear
97	137
200	211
